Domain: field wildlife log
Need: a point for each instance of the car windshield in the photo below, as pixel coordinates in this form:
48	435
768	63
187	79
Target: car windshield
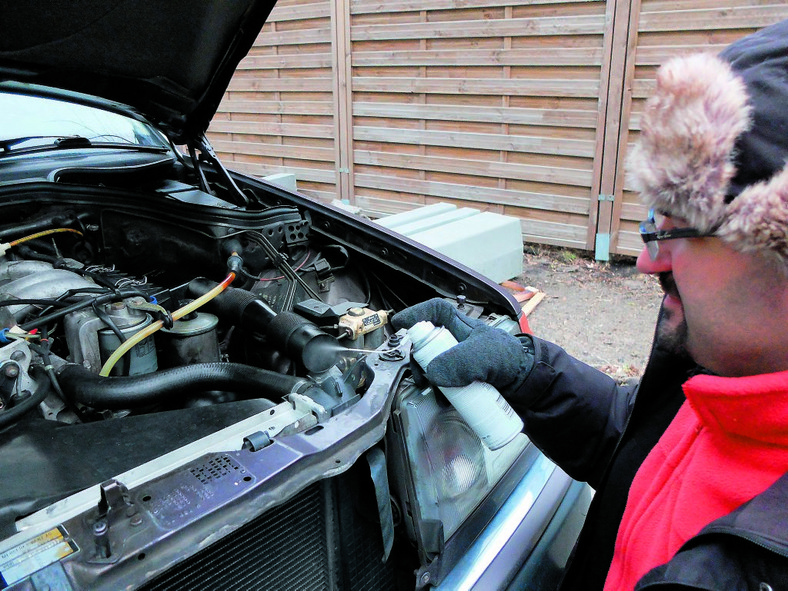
32	122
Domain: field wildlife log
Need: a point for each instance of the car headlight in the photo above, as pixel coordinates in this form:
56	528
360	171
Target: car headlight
440	469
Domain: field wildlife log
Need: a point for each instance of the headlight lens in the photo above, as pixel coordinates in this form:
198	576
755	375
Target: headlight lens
444	470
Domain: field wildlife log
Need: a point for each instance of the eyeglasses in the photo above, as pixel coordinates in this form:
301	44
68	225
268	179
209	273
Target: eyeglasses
651	235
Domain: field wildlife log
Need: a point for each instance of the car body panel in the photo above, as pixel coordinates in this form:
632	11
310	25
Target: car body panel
172	61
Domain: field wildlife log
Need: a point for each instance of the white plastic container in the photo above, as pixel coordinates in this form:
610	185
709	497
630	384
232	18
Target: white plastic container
479	404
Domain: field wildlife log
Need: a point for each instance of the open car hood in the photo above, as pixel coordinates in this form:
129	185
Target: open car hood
117	51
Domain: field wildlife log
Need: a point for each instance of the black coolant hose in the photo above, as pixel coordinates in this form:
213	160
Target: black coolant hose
299	338
9	415
123	392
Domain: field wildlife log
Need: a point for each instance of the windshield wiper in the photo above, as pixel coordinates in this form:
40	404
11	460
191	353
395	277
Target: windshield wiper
67	143
59	141
6	145
75	141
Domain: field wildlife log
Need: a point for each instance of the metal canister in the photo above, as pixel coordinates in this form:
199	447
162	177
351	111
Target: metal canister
191	339
141	359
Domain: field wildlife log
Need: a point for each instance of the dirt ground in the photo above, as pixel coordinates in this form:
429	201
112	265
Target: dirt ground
603	313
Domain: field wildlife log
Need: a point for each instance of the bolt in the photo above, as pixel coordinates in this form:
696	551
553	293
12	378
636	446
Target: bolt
17	355
425	578
11	370
101	539
136	520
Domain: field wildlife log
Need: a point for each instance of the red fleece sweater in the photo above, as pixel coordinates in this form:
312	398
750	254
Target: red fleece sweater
727	444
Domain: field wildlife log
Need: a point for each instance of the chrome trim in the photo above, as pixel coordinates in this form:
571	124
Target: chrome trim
507	527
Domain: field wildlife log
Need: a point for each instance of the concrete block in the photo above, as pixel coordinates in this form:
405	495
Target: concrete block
285	180
400	219
489	243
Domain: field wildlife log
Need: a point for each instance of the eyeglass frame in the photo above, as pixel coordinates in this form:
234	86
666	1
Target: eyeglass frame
651	236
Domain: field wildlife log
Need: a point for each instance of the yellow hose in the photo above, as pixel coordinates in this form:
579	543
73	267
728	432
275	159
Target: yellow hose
6	245
40	234
151	328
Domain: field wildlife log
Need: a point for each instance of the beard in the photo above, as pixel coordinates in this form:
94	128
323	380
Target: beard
672	337
671	334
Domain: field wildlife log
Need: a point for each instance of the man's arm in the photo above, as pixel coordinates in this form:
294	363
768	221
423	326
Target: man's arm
573	412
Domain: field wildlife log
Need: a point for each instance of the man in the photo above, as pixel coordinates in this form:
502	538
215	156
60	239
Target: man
691	493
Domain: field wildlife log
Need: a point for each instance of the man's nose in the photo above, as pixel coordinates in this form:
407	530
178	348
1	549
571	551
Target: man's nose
662	263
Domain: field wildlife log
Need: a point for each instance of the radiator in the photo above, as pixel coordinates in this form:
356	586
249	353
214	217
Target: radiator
317	541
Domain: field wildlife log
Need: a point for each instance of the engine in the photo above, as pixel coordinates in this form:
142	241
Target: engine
129	315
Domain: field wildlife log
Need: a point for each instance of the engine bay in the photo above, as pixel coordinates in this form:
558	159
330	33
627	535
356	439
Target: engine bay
213	322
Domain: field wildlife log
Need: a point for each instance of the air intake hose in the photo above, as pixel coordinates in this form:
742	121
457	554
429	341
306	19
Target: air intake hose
300	339
115	393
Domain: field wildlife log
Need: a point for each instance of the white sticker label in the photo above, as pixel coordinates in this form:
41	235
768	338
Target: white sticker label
23	560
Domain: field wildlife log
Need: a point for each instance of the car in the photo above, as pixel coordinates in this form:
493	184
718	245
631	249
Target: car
200	387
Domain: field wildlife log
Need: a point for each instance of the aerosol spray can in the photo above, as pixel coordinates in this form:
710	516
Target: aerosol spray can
479	404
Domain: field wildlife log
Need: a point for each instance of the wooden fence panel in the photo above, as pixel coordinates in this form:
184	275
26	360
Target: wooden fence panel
487	104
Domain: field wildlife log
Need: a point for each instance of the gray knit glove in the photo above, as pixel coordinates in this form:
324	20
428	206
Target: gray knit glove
484	353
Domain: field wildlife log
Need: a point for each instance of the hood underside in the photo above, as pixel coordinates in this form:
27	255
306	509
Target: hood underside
172	61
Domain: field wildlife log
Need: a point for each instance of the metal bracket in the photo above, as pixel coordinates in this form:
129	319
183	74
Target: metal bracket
113	496
156	310
113	507
307	405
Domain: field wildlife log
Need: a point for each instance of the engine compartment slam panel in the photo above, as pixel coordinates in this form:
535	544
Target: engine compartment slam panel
58	460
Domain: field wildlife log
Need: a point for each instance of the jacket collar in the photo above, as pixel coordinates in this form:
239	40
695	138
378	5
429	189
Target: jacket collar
754	407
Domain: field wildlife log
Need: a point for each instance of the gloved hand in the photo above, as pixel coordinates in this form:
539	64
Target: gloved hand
484	353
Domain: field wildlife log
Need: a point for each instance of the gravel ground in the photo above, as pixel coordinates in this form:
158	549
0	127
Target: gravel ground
602	313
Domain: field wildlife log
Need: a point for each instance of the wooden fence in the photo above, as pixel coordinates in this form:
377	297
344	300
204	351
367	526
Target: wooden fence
523	107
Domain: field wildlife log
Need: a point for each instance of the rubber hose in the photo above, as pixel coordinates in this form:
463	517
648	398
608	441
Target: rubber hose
292	334
123	392
10	415
234	304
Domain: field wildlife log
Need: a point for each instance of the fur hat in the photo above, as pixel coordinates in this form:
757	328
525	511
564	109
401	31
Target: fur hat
713	145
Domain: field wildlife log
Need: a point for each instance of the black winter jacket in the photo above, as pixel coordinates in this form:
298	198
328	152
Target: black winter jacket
600	432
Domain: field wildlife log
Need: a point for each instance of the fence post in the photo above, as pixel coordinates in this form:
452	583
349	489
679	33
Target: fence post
343	99
613	124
